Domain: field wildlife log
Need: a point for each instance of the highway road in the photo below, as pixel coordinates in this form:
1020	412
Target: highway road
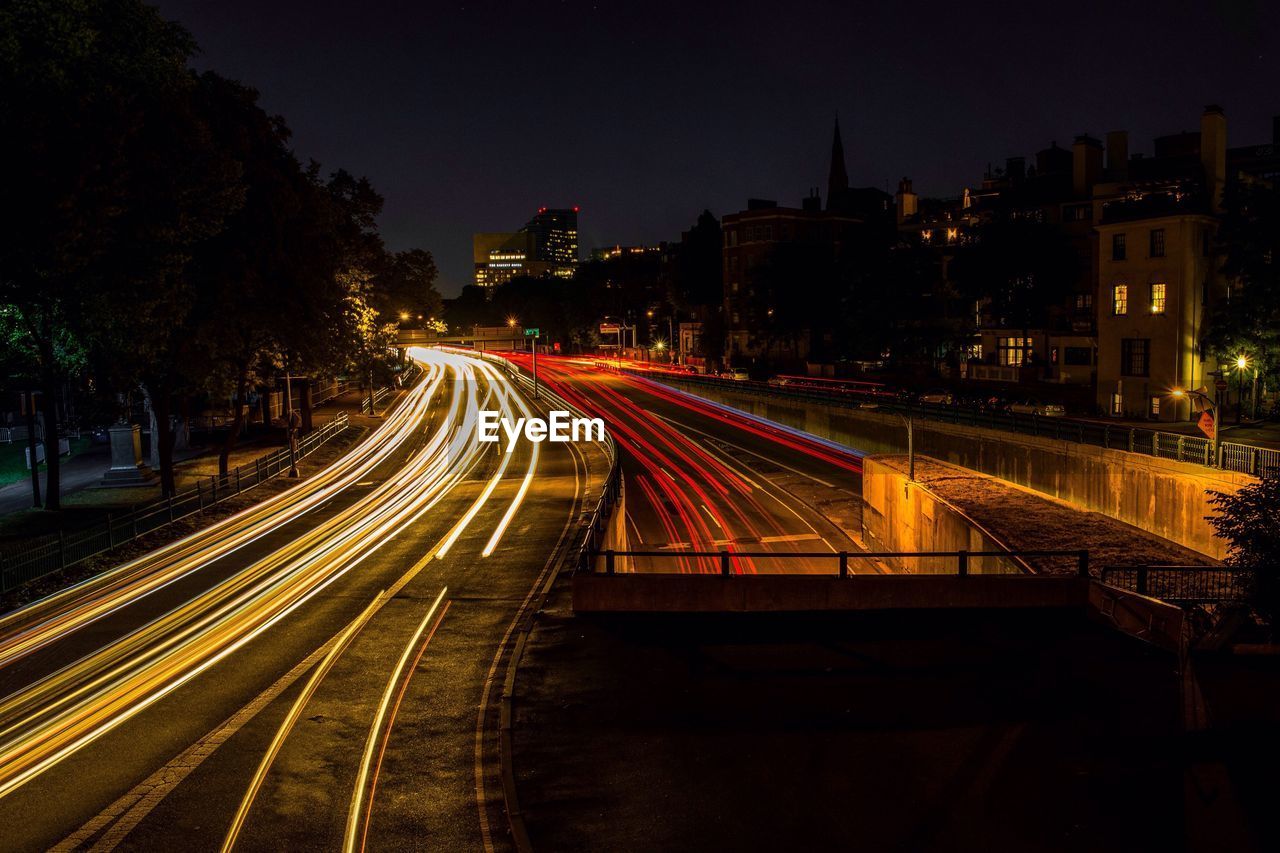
317	671
701	477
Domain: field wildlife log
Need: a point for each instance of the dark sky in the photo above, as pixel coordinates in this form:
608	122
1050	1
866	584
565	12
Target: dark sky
469	116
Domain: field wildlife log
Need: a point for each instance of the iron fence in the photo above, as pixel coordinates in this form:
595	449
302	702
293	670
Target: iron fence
1232	456
1183	584
68	547
955	562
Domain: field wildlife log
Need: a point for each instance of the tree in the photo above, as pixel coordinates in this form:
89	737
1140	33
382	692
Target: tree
1248	321
1250	522
1025	269
405	288
111	183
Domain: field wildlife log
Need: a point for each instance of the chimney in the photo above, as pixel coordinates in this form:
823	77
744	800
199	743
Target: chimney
1118	155
1213	153
1086	164
908	201
1015	168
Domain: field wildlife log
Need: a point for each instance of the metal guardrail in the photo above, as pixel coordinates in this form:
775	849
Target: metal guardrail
68	547
1183	584
1241	458
842	558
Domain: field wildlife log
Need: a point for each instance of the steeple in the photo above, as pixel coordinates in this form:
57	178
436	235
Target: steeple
838	179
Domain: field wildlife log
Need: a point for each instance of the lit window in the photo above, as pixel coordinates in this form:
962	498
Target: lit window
1012	352
926	234
1155	407
1120	300
1157	297
952	234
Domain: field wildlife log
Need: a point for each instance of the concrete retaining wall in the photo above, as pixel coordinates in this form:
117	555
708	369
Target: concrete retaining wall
1165	497
899	515
652	593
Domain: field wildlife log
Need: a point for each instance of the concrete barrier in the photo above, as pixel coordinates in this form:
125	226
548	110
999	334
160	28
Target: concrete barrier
899	515
654	593
1163	496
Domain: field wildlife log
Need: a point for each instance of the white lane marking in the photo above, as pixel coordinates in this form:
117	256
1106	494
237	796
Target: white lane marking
710	516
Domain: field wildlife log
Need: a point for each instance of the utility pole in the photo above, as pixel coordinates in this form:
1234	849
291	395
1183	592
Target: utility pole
535	364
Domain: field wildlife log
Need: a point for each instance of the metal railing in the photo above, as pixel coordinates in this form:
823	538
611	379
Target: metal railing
68	547
1232	456
725	559
1183	584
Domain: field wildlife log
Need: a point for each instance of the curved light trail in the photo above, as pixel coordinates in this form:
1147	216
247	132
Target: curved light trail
45	721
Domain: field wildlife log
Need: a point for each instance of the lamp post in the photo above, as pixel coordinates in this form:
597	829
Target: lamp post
1212	408
1242	364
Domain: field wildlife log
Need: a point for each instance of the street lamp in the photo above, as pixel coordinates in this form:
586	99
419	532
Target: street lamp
1212	408
1242	364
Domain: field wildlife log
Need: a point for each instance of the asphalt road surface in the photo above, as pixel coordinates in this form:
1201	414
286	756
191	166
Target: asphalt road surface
700	477
315	672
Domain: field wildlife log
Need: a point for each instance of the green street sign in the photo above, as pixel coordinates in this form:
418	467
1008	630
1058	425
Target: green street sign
532	333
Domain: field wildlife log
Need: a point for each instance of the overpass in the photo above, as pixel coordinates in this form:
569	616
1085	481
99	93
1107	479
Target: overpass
481	337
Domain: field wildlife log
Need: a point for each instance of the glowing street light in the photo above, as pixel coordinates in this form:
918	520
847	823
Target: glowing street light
512	321
404	316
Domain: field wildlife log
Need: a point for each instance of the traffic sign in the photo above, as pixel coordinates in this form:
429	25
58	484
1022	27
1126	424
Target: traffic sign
610	328
1206	424
1221	384
531	333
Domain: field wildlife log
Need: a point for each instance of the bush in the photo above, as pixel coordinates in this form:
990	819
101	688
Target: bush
1250	522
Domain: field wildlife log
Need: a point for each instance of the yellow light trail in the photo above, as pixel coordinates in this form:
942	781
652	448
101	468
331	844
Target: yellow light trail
45	721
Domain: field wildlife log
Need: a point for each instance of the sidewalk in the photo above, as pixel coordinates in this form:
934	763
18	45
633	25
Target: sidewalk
82	473
1260	433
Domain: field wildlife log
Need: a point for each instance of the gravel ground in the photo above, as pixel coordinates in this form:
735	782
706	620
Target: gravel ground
1026	520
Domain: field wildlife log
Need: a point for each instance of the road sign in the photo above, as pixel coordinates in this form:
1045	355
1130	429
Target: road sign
531	333
610	328
1206	424
1221	384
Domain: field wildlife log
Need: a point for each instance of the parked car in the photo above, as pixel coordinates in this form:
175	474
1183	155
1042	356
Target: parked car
1035	407
737	375
936	397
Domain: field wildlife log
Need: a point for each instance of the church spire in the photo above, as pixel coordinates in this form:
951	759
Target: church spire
838	178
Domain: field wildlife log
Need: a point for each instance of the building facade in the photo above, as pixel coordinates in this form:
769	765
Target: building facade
546	245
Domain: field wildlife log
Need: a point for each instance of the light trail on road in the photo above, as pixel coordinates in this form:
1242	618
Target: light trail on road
697	497
60	713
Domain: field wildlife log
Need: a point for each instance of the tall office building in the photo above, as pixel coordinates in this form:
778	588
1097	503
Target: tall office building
547	245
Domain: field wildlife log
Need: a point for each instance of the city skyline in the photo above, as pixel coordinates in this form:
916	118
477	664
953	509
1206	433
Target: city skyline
727	112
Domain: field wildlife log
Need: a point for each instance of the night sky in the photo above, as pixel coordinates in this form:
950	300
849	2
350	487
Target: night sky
468	117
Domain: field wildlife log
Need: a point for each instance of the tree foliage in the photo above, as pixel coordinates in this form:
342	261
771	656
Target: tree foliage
1249	520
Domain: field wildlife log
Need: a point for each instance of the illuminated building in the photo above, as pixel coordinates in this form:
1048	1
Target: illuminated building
605	253
546	245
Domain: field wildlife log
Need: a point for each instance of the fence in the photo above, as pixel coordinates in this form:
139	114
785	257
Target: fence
840	560
69	547
1242	458
1183	584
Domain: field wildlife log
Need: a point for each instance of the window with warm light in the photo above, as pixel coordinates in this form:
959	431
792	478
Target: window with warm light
1158	290
952	234
1155	406
1012	352
1120	299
